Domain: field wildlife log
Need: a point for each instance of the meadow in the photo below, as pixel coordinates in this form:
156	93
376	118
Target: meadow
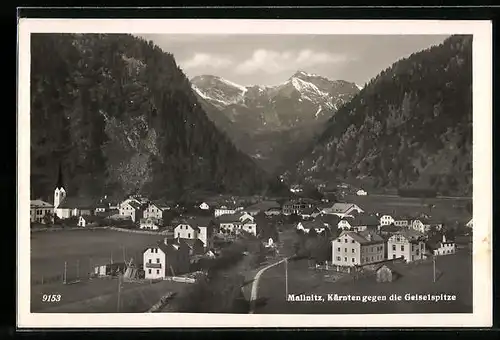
82	250
454	276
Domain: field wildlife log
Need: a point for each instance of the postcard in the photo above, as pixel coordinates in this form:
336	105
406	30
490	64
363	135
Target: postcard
254	173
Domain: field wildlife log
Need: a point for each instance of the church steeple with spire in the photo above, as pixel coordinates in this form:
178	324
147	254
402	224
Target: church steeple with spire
59	192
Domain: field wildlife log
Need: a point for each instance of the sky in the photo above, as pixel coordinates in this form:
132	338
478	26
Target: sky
272	59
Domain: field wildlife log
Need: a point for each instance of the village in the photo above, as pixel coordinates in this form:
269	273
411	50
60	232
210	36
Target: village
343	238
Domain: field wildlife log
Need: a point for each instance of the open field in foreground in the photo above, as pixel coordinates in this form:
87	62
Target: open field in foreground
454	277
82	250
101	296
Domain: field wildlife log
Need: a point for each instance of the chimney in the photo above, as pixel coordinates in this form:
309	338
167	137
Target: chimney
369	237
444	238
165	241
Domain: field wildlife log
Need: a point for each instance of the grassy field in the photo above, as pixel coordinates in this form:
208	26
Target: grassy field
446	208
84	249
454	277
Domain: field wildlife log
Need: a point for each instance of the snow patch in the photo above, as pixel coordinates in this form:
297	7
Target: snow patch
359	87
243	89
317	112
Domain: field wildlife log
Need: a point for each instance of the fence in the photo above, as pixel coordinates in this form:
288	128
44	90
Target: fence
180	279
136	231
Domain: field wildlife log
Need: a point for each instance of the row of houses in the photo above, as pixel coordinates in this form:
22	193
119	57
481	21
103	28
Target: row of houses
352	248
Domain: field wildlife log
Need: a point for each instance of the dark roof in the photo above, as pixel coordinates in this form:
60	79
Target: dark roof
229	217
313	224
364	220
308	211
135	205
160	204
410	234
190	242
363	236
78	203
40	204
92	218
264	205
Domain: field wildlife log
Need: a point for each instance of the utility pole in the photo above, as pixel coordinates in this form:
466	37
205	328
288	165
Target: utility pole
434	268
286	278
77	269
119	292
111	257
65	269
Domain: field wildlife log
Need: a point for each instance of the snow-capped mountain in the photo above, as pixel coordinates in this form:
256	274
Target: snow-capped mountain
303	99
259	119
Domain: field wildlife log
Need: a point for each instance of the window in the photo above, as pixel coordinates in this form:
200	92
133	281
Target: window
345	240
345	259
352	259
417	251
353	250
338	249
345	250
157	260
402	248
338	258
394	247
189	235
149	271
393	256
352	241
149	261
157	271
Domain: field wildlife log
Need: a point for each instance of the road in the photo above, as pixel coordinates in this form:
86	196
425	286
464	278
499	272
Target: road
255	284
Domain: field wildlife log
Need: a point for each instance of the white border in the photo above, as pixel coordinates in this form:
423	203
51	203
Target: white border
482	181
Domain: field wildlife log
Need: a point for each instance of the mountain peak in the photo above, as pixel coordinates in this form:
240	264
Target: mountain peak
301	73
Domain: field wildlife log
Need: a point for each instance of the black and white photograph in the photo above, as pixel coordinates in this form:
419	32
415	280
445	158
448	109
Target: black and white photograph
227	168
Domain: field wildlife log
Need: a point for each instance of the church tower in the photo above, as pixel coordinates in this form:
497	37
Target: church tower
59	192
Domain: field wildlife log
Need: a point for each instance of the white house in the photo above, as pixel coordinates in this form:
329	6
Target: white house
306	226
87	220
403	222
408	244
150	223
357	248
132	209
198	228
361	192
224	210
156	210
234	223
344	223
386	220
167	258
444	247
39	209
204	206
342	209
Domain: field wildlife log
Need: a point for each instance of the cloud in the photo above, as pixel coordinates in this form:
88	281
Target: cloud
205	61
273	62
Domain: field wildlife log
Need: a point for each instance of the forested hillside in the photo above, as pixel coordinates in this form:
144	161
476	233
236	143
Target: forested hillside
120	116
411	125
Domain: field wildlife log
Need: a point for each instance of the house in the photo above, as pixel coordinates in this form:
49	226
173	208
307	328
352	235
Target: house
75	206
195	246
263	206
101	207
361	192
407	244
234	223
402	221
156	210
296	206
197	228
342	209
442	247
362	222
132	209
388	272
344	223
204	206
41	211
352	248
151	223
226	209
167	258
296	188
306	226
273	211
89	220
386	220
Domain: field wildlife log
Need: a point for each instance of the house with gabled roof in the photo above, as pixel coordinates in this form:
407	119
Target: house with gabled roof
75	206
132	209
201	228
166	258
438	246
156	209
237	222
317	225
89	220
353	248
342	209
407	244
39	210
